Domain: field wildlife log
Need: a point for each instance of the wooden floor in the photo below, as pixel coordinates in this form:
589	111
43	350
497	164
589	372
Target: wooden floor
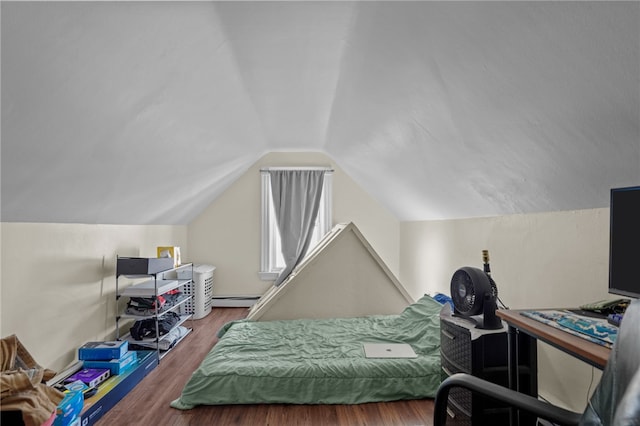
148	403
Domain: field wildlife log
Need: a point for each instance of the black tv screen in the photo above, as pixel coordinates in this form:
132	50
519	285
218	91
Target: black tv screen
624	242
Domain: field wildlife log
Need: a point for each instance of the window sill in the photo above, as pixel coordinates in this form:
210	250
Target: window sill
268	276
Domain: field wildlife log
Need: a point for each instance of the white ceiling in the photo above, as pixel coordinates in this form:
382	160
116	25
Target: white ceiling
128	112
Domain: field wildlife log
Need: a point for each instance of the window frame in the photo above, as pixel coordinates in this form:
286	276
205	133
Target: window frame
268	226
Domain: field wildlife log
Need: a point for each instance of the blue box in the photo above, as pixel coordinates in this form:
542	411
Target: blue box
116	366
112	390
69	408
105	351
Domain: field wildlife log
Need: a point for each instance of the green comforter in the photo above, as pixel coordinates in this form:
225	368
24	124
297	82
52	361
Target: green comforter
319	361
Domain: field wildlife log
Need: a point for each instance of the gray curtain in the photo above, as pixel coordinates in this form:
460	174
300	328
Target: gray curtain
296	200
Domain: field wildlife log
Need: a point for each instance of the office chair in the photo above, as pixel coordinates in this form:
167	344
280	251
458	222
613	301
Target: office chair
615	402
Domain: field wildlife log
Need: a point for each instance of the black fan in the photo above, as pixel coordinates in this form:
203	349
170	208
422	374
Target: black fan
474	293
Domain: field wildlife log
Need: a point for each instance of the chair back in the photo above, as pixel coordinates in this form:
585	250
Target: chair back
616	400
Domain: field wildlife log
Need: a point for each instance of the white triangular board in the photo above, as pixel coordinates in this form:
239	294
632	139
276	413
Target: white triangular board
342	277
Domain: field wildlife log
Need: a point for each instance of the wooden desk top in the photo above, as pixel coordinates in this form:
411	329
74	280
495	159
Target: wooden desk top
589	352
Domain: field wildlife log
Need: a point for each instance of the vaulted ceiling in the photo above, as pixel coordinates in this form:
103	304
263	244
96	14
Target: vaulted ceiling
126	112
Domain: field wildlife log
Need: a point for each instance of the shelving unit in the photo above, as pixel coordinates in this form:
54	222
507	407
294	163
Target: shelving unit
159	277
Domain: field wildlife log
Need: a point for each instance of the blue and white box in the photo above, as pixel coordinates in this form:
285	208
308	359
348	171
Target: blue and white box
116	366
69	408
92	351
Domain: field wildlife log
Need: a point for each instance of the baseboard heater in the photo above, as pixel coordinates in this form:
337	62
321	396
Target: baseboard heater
234	301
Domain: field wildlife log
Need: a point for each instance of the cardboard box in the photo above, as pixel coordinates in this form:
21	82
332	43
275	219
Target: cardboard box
69	408
92	351
143	265
112	390
115	366
171	252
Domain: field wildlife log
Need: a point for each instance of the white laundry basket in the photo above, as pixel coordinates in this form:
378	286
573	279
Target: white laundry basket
201	288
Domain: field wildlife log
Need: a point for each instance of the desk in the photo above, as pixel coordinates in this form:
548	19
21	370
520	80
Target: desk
518	324
589	352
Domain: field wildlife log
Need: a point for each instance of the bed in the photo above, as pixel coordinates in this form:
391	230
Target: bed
319	361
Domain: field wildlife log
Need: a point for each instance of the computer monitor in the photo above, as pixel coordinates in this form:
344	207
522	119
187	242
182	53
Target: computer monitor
624	242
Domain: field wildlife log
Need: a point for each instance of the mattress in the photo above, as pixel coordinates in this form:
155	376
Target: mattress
319	361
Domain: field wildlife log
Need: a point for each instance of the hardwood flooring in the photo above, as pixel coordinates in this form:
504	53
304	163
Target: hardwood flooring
148	403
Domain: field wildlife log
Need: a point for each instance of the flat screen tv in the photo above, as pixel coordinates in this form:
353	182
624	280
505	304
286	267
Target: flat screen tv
624	242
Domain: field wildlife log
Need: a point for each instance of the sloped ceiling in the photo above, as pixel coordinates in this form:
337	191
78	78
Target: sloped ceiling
144	112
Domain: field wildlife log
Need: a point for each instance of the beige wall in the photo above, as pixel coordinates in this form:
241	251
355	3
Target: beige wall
545	259
58	282
538	260
227	233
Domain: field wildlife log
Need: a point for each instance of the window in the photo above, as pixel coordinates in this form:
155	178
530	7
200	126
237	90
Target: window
272	262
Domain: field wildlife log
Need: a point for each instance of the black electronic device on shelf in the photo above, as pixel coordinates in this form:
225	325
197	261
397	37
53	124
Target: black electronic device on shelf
475	295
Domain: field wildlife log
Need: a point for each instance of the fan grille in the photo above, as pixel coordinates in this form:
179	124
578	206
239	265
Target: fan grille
465	295
468	287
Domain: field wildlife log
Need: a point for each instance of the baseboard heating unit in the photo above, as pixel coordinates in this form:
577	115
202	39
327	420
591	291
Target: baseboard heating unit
234	301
